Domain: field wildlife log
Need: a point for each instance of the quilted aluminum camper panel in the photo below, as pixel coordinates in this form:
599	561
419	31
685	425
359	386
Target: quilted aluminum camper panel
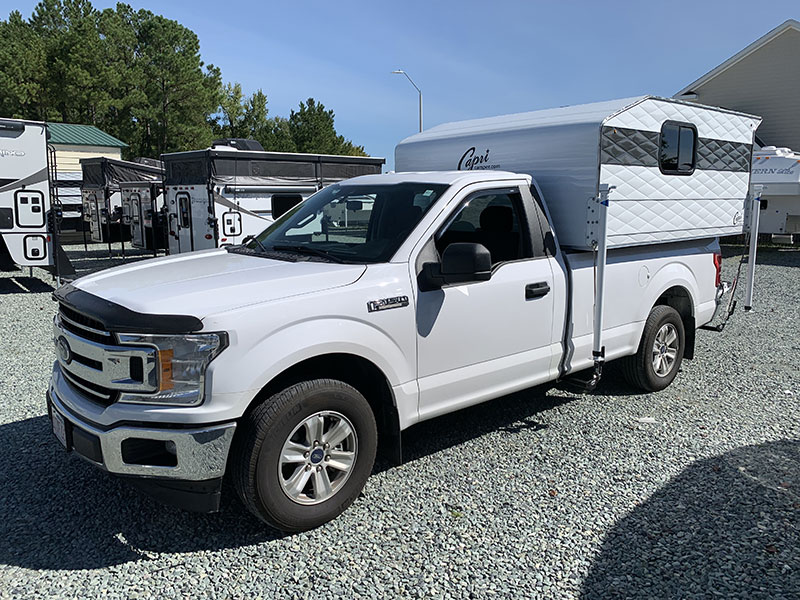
648	206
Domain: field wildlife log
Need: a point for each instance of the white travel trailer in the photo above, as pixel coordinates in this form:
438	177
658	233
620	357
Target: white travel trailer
220	195
777	171
143	212
630	172
28	221
102	197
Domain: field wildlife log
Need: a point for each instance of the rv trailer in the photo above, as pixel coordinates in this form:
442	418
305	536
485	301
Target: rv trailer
143	211
777	171
28	219
102	197
223	194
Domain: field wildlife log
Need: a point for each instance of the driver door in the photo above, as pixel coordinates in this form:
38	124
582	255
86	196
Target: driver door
479	338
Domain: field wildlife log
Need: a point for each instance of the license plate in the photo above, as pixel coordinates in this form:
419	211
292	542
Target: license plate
59	428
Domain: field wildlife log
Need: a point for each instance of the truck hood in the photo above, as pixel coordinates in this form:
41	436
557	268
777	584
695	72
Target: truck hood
212	281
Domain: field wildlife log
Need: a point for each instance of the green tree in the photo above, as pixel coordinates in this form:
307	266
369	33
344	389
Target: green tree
139	76
277	136
312	129
232	112
181	95
23	70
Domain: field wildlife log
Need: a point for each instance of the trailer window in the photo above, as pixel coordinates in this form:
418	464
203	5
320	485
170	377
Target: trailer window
677	150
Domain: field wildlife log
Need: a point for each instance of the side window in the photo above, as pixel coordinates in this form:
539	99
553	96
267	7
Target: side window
493	220
677	151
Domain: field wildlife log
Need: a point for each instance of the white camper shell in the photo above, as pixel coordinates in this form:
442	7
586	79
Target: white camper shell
220	195
675	170
102	197
777	172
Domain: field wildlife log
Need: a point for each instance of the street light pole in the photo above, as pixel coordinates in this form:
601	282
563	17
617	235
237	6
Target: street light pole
401	72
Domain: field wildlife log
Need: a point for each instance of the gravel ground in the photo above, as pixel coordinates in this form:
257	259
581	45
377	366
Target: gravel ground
693	492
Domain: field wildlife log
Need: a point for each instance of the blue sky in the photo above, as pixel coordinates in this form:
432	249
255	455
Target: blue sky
470	58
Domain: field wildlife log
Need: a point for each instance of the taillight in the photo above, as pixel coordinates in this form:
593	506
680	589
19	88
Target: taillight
718	268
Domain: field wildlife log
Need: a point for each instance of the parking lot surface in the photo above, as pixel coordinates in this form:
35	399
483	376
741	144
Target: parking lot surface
693	492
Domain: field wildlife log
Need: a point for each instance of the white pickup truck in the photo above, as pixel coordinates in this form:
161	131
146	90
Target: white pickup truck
384	300
286	360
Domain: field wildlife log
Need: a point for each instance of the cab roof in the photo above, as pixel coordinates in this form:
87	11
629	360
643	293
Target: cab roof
438	177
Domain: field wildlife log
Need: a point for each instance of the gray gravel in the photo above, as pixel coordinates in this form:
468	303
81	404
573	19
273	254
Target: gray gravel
693	492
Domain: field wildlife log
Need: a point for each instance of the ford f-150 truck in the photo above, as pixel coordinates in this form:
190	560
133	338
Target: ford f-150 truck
285	362
565	238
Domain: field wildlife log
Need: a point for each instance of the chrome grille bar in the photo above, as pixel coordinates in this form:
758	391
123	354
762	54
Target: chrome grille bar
114	361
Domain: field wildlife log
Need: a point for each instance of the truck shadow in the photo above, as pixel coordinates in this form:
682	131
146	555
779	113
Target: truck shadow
511	414
727	527
57	512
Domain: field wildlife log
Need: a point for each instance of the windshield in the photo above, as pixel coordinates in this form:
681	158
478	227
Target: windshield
351	223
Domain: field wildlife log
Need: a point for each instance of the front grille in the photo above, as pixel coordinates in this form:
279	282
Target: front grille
95	365
95	392
84	326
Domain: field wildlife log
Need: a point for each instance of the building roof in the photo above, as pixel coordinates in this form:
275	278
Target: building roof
763	79
82	135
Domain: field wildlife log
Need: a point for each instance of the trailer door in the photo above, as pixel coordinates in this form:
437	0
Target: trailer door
183	216
137	230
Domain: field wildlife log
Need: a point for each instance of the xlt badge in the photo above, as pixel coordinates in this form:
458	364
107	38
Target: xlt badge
387	303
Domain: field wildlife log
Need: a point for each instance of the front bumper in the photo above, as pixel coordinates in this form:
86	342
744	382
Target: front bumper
177	465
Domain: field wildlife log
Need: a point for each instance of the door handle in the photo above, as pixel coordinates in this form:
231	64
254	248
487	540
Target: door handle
536	290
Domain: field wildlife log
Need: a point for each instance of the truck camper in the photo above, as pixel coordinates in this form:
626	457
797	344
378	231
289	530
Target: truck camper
223	194
102	195
144	212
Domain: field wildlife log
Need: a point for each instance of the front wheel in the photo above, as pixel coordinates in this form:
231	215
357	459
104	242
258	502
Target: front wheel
658	359
303	455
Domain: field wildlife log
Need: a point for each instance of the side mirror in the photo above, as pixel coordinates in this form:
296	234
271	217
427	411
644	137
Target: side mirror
461	263
354	205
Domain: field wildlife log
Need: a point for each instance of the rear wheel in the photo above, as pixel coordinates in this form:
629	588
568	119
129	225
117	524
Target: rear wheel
303	455
658	359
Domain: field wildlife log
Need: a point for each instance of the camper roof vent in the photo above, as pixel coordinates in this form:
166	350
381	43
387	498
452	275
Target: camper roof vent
238	144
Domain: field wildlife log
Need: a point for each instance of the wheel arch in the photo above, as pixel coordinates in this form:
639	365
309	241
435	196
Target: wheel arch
680	298
356	371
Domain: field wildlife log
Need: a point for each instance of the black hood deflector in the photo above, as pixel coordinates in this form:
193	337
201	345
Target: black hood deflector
117	318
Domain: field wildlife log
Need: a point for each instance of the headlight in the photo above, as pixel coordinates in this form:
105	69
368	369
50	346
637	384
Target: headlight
182	364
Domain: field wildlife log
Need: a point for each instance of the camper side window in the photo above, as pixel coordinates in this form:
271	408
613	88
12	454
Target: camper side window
677	148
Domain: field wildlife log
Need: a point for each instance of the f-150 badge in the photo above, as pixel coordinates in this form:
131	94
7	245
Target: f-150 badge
387	303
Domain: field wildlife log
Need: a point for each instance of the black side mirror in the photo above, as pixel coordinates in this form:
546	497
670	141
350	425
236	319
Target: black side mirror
354	205
461	263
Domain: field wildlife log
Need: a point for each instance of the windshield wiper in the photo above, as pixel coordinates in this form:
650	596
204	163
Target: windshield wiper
256	240
308	250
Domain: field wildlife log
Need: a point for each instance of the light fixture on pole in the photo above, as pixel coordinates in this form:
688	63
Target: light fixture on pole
401	72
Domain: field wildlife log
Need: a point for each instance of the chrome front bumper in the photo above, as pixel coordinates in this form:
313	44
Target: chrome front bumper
197	454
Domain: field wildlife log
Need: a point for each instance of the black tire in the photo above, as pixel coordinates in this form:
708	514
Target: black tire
255	456
639	369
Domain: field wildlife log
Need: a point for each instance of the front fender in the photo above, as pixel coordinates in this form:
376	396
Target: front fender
269	356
